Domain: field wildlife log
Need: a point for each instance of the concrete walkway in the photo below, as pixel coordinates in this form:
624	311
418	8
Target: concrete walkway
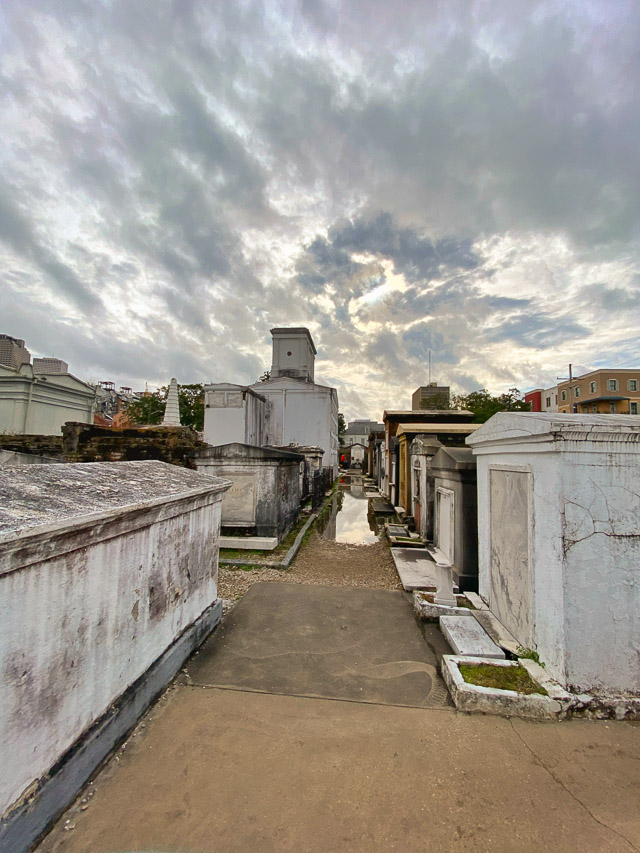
313	720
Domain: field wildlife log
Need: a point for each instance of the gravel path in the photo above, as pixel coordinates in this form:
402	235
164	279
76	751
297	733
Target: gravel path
320	562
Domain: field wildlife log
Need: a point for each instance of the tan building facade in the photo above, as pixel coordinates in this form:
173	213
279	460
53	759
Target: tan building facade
604	391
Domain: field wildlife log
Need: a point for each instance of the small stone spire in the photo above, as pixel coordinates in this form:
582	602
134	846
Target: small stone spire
172	409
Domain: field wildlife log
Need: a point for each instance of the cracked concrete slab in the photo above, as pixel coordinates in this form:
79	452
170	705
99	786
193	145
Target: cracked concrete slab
360	645
225	771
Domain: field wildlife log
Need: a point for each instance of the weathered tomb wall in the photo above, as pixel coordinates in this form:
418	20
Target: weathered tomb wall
264	498
37	445
559	541
454	483
175	445
102	567
91	443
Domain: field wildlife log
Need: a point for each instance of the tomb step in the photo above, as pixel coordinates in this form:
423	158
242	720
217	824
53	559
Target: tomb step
467	637
250	543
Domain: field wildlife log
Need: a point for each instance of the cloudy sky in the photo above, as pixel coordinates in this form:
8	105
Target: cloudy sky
178	177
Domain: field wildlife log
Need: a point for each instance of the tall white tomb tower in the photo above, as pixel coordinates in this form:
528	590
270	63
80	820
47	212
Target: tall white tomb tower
294	354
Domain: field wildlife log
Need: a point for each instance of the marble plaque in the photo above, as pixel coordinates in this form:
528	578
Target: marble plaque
215	399
445	523
239	503
234	400
511	592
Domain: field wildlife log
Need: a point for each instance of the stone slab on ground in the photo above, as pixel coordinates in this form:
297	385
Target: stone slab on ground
226	771
415	567
382	507
397	530
251	543
496	630
363	645
474	598
467	637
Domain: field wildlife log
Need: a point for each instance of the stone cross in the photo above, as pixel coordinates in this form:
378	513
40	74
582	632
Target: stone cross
172	409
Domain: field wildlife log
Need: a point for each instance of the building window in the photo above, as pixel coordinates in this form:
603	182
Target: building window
633	408
632	384
595	408
612	408
577	389
547	402
592	387
563	395
612	384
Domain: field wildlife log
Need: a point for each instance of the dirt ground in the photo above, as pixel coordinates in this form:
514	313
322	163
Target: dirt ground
320	562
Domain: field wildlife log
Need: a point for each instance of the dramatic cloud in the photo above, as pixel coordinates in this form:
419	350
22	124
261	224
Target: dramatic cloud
460	178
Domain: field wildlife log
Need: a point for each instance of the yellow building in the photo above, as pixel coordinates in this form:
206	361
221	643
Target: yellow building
604	391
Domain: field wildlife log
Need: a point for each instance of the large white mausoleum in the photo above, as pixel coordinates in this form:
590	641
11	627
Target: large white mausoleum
288	408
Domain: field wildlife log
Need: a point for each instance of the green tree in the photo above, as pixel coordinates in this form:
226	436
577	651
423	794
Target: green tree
191	400
266	376
484	405
149	410
341	428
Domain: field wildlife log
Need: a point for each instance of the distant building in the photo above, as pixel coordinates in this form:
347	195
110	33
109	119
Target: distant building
423	397
50	365
37	404
111	403
542	399
603	391
13	352
358	432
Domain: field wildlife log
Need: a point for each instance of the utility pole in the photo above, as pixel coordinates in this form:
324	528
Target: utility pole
564	379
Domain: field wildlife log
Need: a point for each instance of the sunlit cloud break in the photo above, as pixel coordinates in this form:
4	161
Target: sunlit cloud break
177	178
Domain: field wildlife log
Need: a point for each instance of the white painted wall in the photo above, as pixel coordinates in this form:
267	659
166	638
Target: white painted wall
303	413
232	413
293	350
41	405
582	561
357	453
88	603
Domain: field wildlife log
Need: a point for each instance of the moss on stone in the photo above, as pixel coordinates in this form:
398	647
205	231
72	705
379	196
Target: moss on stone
514	678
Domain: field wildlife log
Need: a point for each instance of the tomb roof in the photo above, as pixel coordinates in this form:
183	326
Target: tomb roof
33	496
434	428
514	427
431	415
453	457
238	450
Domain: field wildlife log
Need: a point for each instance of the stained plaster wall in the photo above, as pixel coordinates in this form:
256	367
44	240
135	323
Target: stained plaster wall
423	449
303	413
559	541
264	498
92	591
461	484
40	405
233	413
